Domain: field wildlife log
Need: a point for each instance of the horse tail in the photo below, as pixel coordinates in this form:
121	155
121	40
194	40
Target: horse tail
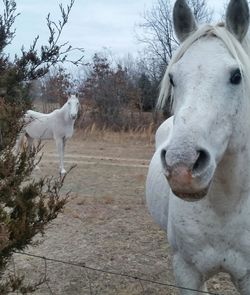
20	145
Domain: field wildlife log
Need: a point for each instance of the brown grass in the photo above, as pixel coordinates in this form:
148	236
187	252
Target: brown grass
140	134
105	224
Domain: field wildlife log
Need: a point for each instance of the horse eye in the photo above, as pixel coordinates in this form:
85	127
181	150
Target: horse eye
235	77
171	80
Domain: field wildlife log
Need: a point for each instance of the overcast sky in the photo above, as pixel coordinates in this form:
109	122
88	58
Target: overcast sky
93	24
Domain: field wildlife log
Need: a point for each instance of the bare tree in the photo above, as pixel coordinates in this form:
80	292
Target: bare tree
56	85
159	37
158	33
201	11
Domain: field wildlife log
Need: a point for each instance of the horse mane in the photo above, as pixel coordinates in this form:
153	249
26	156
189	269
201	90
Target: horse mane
239	51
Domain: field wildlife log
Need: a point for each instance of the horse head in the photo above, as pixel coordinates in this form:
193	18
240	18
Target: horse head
208	81
73	106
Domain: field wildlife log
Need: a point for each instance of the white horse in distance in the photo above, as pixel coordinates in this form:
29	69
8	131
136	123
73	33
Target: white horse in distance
198	183
57	125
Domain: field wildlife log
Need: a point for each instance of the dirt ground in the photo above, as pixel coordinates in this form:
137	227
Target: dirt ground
105	226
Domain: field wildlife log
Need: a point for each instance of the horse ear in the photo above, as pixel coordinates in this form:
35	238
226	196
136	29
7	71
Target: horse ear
184	22
237	18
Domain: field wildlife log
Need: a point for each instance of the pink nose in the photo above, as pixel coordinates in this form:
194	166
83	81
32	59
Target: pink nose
187	171
184	163
180	178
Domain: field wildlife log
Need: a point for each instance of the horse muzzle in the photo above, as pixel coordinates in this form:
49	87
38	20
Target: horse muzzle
188	172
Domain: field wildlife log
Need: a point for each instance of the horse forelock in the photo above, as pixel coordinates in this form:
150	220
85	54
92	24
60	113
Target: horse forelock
239	51
73	97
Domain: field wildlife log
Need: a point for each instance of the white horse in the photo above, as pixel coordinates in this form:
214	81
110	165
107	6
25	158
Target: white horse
198	183
57	125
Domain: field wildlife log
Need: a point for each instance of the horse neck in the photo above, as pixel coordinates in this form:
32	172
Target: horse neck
64	113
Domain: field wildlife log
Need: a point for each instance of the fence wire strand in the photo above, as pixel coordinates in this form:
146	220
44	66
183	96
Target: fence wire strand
110	272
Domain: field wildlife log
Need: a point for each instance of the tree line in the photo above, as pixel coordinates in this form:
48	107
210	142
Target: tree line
118	93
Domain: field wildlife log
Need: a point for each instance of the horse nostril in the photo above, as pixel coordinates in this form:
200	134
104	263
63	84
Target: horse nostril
201	162
164	163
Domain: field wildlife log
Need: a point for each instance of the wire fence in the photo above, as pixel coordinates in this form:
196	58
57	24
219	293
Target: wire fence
140	280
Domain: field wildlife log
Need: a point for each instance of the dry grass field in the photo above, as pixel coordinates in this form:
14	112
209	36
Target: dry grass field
105	225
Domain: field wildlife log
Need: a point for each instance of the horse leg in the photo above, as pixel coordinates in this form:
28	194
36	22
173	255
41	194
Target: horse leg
60	143
19	145
30	147
30	142
187	276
